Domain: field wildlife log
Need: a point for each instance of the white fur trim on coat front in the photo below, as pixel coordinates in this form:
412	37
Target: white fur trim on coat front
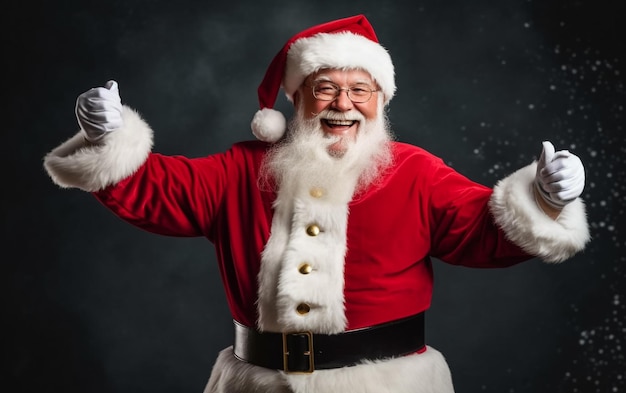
322	289
515	210
281	286
94	166
318	198
427	372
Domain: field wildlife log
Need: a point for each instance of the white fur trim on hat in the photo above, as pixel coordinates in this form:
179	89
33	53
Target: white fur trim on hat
343	50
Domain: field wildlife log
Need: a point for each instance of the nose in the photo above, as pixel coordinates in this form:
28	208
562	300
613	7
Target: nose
342	102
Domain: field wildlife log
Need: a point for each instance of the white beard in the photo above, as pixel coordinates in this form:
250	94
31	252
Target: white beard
305	155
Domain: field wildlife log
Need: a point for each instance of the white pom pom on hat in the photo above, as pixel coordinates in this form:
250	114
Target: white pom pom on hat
348	43
268	125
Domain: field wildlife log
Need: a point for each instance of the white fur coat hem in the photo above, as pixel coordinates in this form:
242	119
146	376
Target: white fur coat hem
427	372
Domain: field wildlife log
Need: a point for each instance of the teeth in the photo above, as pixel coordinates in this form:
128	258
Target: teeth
340	122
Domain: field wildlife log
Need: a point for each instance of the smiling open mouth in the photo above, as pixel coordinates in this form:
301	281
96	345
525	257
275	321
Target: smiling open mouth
339	123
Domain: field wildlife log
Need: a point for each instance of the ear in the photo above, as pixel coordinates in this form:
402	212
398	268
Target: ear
296	97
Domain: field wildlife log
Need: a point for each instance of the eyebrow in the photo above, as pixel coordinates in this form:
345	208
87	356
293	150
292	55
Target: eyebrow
325	78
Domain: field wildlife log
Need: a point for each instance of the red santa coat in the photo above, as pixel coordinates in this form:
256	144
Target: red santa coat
370	261
422	208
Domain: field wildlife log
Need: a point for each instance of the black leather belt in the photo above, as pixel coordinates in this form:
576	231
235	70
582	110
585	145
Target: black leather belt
305	352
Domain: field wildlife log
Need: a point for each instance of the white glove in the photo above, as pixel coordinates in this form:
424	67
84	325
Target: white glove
99	110
560	176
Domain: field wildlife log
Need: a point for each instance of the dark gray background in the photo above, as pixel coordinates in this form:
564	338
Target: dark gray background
94	305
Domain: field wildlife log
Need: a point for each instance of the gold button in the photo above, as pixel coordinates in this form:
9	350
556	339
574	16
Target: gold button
316	192
305	268
313	230
303	308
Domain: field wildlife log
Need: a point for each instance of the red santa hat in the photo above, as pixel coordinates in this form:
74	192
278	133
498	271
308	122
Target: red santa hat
348	43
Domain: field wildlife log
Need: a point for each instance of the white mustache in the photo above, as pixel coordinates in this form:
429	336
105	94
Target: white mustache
339	116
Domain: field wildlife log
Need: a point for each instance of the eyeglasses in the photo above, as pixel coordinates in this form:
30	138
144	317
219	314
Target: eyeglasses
328	91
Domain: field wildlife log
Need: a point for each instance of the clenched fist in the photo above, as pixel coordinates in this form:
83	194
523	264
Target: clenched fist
560	176
99	110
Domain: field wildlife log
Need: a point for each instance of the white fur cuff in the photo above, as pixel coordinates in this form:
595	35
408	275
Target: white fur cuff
92	167
515	210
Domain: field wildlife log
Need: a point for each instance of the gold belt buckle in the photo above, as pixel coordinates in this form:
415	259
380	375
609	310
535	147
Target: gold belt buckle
308	352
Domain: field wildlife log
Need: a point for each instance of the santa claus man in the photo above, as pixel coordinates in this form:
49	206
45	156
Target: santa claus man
324	228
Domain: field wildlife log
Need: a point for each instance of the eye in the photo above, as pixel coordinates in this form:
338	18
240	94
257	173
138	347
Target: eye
326	88
360	90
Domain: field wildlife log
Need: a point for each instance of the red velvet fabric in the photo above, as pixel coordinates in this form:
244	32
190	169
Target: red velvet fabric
421	209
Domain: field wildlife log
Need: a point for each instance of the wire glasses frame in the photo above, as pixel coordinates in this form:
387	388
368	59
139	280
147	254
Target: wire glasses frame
328	91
